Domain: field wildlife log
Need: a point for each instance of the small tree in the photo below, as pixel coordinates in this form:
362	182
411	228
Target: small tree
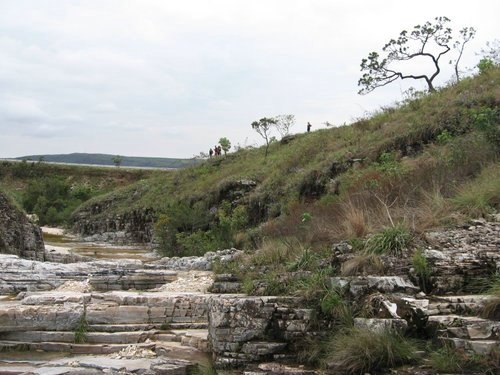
430	41
225	144
284	123
117	160
466	35
263	128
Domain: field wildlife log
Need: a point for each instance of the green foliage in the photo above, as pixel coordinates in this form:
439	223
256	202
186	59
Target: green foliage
485	65
422	269
391	240
308	260
194	230
306	217
263	127
117	160
487	120
444	137
53	199
82	328
389	165
225	144
358	351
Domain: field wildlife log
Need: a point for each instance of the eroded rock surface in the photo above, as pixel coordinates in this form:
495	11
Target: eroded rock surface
17	234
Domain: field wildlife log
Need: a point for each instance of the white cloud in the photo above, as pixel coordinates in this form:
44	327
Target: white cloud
166	78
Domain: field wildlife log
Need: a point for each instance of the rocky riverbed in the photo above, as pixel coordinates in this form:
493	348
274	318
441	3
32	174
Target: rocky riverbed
169	315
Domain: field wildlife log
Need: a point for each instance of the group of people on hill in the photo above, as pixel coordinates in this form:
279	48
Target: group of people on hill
216	151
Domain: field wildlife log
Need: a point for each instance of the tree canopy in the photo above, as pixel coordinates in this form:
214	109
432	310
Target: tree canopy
430	41
263	128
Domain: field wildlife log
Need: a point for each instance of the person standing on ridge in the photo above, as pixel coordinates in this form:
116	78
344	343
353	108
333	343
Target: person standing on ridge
210	153
309	127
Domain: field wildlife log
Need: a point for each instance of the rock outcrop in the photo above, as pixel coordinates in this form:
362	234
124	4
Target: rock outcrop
17	234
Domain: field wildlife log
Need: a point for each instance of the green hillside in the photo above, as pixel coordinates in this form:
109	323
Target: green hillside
425	162
105	159
54	191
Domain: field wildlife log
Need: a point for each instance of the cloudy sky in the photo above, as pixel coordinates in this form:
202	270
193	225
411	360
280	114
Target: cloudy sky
169	78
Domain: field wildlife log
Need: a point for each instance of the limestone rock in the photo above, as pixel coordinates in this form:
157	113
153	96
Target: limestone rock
18	235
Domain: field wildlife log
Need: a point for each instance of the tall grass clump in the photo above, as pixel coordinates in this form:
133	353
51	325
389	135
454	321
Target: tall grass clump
491	309
480	196
391	240
449	359
82	328
358	351
422	270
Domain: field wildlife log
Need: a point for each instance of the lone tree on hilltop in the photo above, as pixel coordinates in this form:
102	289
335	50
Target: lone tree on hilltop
428	41
263	128
284	123
466	35
225	144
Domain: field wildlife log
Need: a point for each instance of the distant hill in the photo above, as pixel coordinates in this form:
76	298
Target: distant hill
105	159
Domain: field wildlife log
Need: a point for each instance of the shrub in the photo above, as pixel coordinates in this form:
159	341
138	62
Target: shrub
485	64
391	240
422	270
357	351
487	120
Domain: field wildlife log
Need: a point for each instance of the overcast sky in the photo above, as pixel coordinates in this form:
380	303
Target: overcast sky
169	78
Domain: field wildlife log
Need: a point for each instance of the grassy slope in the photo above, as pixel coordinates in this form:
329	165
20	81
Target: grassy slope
15	177
305	164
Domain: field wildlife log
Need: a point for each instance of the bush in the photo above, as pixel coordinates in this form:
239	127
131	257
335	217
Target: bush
485	64
487	120
357	351
391	240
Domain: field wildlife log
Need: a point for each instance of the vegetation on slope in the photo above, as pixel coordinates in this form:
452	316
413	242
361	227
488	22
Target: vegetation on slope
410	165
53	192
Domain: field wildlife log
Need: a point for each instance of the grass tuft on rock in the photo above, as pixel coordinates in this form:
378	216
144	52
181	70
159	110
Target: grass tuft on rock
357	351
390	240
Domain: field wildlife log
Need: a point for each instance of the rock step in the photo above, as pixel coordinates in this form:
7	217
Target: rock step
191	337
465	327
64	347
468	304
90	337
482	347
145	327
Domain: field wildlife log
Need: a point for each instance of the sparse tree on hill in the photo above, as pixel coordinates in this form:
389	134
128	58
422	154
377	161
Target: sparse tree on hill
466	35
284	123
225	144
429	41
117	160
263	128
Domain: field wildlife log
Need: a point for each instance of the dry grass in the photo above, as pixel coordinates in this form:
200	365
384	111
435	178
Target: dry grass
356	351
364	264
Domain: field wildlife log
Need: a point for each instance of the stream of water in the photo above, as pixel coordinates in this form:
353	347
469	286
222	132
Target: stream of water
56	240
